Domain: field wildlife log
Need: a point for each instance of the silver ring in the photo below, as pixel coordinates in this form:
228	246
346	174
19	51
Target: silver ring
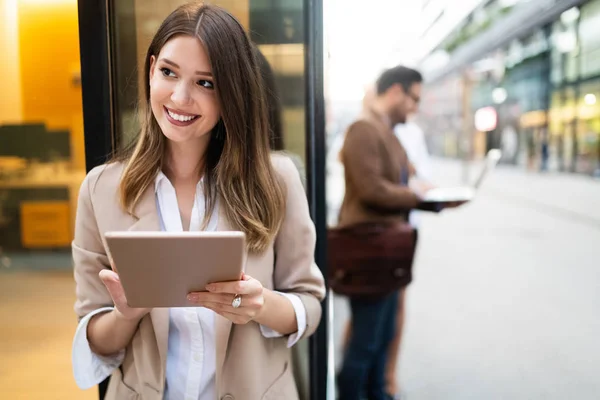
237	301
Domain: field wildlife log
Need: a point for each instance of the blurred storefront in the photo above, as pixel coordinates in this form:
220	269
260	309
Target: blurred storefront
574	112
542	84
441	116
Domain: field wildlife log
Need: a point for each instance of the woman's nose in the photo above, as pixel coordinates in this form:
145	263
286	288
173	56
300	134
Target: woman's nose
181	94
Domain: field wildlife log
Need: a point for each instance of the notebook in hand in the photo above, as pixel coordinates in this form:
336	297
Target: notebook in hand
463	193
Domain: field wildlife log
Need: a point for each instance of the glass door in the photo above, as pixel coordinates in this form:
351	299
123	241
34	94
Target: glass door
42	164
114	38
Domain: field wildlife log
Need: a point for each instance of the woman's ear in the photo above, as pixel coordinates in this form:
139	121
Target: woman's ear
152	62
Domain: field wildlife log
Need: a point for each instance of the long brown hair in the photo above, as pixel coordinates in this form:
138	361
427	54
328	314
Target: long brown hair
271	94
238	164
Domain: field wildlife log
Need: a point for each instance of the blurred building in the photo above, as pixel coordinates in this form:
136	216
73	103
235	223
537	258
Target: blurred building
523	76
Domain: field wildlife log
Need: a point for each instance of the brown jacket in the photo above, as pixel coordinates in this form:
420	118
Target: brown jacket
374	163
249	366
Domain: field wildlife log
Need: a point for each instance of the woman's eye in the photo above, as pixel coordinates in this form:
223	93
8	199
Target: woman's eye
167	72
206	84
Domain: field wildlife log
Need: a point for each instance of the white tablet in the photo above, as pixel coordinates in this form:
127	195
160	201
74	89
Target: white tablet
159	269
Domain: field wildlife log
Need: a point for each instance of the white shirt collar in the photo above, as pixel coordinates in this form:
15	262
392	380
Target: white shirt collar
161	177
168	209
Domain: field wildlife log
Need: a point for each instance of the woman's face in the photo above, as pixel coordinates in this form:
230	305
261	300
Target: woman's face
182	91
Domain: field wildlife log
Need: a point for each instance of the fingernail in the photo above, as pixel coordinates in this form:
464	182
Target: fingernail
210	287
192	297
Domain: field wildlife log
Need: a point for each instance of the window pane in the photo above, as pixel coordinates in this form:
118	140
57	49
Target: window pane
42	164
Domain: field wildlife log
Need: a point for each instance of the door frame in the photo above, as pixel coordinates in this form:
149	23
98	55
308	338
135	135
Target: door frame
96	92
316	154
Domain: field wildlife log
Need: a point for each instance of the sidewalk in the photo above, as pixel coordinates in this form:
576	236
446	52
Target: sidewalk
574	196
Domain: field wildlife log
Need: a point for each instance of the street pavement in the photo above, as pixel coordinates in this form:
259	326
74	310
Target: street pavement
506	296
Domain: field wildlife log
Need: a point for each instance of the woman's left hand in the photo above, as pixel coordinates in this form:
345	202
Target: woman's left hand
220	296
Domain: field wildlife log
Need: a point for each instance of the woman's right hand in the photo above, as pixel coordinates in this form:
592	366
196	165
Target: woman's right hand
115	288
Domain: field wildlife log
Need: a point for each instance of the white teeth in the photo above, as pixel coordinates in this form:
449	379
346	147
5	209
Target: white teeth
181	118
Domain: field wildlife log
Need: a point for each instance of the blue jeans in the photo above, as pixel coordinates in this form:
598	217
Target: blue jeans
363	370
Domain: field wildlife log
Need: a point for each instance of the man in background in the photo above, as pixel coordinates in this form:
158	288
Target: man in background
412	138
377	189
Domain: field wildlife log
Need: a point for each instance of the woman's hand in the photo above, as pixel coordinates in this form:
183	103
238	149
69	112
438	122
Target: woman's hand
115	288
220	295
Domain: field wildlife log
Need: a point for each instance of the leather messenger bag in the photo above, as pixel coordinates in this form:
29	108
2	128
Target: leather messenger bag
372	259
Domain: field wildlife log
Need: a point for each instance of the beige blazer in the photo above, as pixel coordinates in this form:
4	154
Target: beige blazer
249	366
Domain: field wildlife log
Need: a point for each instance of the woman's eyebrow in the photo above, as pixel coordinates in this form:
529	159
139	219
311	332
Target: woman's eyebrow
167	61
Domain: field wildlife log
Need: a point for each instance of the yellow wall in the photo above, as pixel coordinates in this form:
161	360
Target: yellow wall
49	55
10	100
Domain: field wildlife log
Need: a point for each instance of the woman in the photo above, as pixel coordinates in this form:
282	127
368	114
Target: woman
201	161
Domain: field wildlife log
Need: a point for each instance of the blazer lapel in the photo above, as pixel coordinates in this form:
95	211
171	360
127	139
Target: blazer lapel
146	212
148	220
222	325
160	323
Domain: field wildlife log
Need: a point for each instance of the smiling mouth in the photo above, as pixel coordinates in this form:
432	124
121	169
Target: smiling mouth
180	119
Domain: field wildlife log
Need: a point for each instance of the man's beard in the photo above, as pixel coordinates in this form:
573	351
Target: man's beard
398	118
